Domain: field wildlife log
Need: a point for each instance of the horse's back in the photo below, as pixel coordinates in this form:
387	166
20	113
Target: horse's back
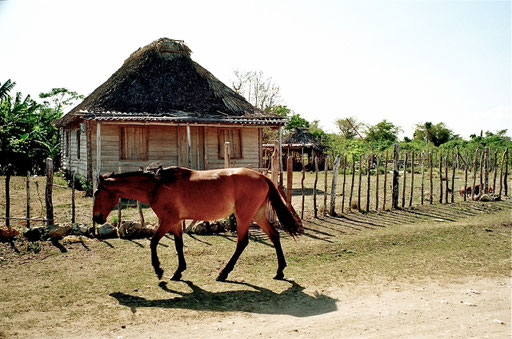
213	194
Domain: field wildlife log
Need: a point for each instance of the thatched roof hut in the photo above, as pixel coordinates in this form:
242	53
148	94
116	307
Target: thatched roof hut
300	142
301	137
160	105
161	82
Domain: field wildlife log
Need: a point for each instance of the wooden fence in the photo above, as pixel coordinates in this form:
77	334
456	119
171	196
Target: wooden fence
483	172
406	179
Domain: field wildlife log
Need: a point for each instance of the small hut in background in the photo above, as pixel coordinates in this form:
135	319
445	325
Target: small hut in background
299	142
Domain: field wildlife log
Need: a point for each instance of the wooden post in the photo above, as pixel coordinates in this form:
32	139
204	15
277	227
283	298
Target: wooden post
377	183
49	190
227	161
343	188
189	147
141	215
7	199
335	169
326	168
280	154
119	204
447	181
412	179
440	178
394	194
98	151
486	170
274	176
431	167
455	164
495	169
422	176
405	179
482	165
88	137
28	198
73	206
302	183
505	182
385	182
314	187
352	183
289	180
466	166
501	173
368	173
359	183
474	175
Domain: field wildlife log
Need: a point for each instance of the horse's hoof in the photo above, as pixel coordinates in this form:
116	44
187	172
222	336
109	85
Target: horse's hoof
279	276
159	272
222	277
176	276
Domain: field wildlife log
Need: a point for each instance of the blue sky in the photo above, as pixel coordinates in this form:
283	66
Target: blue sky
404	61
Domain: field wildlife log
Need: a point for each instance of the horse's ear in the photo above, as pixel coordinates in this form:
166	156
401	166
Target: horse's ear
101	179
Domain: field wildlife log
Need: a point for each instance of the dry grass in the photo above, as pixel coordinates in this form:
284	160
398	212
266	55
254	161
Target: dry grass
103	285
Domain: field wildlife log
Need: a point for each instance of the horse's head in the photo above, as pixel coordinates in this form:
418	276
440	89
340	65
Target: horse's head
105	198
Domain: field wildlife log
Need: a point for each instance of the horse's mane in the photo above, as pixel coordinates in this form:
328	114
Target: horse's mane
167	175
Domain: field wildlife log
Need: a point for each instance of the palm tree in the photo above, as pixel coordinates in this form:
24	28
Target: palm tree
5	89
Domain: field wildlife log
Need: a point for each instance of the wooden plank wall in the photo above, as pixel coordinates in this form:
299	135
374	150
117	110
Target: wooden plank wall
164	147
72	163
250	149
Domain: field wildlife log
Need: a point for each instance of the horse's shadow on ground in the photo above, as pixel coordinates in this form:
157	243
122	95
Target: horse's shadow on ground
292	301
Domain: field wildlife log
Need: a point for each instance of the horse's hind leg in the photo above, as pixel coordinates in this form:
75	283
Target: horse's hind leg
273	234
243	240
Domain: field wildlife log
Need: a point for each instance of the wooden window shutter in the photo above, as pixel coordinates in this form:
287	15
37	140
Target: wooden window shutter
134	143
234	137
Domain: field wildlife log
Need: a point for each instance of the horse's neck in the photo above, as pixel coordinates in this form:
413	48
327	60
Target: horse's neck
136	188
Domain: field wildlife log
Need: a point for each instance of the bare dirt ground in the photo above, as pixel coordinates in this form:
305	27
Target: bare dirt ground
478	308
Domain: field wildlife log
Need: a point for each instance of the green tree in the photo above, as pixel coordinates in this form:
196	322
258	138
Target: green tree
345	127
384	131
26	127
437	134
52	109
318	132
297	121
17	119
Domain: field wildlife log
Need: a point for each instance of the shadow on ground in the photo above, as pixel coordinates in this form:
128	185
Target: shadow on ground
255	299
325	227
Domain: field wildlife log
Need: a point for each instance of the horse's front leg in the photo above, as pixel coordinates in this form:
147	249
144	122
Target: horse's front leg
182	265
154	256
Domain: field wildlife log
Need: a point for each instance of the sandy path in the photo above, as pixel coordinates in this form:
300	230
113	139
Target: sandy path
480	308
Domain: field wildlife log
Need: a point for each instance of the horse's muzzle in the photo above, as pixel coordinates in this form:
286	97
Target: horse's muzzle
99	219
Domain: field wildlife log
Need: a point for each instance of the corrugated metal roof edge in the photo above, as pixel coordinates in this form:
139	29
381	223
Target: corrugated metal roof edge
262	121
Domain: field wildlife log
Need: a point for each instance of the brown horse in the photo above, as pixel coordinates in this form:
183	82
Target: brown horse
176	194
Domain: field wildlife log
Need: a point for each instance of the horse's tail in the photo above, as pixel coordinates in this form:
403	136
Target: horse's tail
289	220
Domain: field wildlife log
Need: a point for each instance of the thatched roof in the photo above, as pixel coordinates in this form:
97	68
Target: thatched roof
301	136
161	82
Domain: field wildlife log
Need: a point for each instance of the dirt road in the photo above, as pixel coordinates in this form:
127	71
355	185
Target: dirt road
471	309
